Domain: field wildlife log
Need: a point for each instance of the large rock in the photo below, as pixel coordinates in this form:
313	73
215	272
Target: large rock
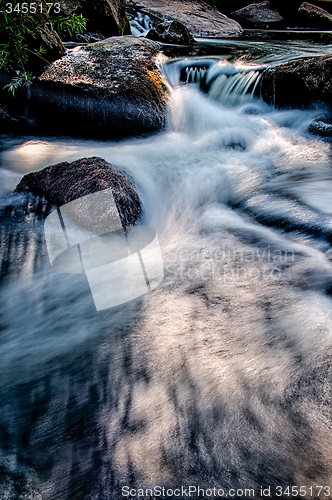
258	15
66	182
321	128
311	16
299	82
7	121
171	32
111	88
200	18
107	16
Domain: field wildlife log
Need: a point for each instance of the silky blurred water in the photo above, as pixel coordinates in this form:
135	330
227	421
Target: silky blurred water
221	377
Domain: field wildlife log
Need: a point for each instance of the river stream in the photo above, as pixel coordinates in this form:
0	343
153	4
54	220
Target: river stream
221	376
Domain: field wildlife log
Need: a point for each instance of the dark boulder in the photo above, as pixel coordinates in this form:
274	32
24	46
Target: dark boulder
300	82
111	88
288	10
311	16
59	184
7	121
258	15
107	16
94	36
171	32
200	18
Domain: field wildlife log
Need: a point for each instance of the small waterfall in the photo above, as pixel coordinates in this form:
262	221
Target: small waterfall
222	80
232	87
195	75
188	70
140	23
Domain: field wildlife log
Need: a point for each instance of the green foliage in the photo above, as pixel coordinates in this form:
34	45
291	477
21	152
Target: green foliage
70	24
14	29
17	31
24	79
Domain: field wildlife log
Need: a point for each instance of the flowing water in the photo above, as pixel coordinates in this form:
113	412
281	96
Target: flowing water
221	377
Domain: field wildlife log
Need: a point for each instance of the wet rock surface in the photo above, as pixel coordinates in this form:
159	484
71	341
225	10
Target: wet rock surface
59	184
200	18
259	15
171	32
321	127
111	88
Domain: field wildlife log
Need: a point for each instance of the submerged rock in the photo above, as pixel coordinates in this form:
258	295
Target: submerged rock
300	82
321	128
111	88
171	32
258	15
311	16
59	184
200	18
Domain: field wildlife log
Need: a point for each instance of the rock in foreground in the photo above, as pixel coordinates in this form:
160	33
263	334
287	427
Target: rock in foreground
196	15
299	82
258	15
66	182
111	88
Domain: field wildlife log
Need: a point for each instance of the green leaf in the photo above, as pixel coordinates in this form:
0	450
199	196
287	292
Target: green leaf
22	80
